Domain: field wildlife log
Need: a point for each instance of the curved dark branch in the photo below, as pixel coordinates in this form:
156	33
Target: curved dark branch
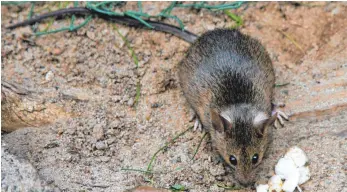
124	20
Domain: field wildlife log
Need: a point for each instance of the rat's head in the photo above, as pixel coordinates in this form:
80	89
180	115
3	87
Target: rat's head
242	139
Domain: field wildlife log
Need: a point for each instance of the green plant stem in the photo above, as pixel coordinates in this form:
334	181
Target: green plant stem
149	167
197	149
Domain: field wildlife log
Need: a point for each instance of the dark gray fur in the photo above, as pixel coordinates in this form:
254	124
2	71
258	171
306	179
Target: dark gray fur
230	73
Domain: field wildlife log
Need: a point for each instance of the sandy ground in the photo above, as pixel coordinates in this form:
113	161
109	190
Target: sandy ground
95	80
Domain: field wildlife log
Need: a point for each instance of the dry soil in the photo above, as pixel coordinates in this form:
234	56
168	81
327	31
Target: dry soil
92	75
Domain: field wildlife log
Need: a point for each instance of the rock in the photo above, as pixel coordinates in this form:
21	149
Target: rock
217	170
115	123
116	98
197	168
105	159
131	102
156	105
147	52
335	11
219	178
215	188
98	132
138	41
51	145
209	26
49	76
91	35
18	174
100	145
124	31
78	94
111	140
57	51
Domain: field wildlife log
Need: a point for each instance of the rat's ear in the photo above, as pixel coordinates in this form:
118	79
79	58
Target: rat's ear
219	123
262	124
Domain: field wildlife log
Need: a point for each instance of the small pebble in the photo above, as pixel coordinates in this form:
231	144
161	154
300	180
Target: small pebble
91	35
131	102
115	123
100	145
219	178
335	11
217	170
57	51
98	132
105	159
49	76
197	168
155	105
111	140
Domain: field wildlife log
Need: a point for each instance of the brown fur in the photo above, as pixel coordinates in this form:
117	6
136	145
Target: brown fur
227	78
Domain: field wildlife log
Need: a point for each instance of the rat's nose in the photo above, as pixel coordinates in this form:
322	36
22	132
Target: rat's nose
246	180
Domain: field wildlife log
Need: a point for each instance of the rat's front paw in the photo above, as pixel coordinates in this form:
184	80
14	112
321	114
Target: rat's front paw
280	116
197	125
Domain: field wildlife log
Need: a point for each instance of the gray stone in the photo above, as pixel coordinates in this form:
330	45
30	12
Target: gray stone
100	145
98	132
18	174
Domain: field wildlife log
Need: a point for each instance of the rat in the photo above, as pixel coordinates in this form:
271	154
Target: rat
228	80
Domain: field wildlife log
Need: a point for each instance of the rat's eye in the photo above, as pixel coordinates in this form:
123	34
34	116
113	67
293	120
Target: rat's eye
255	159
233	160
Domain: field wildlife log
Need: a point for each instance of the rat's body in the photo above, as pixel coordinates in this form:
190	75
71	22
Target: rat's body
228	79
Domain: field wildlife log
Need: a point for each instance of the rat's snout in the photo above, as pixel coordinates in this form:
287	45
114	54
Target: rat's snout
246	179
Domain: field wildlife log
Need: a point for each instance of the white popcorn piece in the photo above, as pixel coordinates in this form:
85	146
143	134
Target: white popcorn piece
275	179
285	167
275	184
291	181
298	155
291	168
304	174
262	188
